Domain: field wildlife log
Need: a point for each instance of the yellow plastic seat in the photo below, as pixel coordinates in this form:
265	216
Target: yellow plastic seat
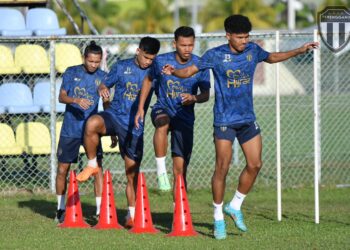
7	64
66	55
8	145
58	133
106	143
34	138
32	59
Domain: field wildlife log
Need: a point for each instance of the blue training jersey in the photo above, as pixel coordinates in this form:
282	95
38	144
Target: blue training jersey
168	88
233	74
78	83
127	77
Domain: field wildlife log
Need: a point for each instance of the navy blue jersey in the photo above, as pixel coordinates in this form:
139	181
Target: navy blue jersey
78	83
127	77
168	87
233	74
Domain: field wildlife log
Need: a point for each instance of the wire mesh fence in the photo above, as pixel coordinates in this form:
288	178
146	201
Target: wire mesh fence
30	115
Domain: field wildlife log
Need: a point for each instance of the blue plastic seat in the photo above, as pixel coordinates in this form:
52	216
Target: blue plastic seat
42	95
43	22
17	98
12	23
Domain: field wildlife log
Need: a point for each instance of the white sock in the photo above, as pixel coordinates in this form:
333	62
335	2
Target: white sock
98	204
61	202
218	215
92	163
161	169
237	200
131	212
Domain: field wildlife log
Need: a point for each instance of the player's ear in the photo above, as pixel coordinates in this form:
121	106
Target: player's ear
174	44
137	51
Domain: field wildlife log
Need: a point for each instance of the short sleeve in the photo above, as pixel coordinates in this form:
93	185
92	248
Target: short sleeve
66	79
261	53
206	61
204	83
112	77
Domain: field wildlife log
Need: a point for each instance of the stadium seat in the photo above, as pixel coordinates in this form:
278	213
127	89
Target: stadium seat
66	55
8	144
42	96
44	22
17	98
106	143
12	23
7	64
34	138
32	59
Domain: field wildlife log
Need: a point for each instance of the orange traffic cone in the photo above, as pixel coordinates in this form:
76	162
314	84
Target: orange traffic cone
143	220
182	221
74	215
108	216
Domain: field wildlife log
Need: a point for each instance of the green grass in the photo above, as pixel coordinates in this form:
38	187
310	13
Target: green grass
26	223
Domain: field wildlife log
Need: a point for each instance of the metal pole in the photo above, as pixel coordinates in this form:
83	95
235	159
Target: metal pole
278	134
176	14
53	115
317	142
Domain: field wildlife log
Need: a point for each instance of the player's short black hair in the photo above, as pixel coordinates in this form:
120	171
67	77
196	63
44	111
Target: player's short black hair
184	31
237	24
150	45
92	48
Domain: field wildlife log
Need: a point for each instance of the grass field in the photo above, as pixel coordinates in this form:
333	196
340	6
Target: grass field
26	222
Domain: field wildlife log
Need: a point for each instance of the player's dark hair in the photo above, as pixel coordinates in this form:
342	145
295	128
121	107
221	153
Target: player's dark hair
149	45
92	48
184	31
237	24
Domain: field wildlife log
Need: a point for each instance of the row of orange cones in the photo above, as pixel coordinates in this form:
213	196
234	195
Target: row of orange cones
182	221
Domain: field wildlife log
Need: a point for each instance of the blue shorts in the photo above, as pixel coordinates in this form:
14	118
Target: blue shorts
181	135
68	149
244	132
130	145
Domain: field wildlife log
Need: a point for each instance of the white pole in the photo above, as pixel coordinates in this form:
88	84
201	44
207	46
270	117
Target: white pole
317	144
278	134
53	116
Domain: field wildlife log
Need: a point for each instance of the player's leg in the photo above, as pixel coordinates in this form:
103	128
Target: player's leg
131	171
161	120
131	150
95	127
181	148
67	153
223	139
61	187
98	181
251	143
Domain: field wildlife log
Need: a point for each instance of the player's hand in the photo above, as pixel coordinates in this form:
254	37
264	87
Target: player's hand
188	99
83	103
114	140
168	69
103	91
139	118
309	46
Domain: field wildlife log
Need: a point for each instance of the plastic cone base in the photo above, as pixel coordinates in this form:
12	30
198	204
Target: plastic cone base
108	215
74	216
143	219
182	221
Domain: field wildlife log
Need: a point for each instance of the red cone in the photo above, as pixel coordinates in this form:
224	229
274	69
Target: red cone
182	221
74	215
143	220
108	216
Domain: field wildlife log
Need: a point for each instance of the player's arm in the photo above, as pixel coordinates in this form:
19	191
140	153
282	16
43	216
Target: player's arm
64	98
188	99
145	90
181	73
282	56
